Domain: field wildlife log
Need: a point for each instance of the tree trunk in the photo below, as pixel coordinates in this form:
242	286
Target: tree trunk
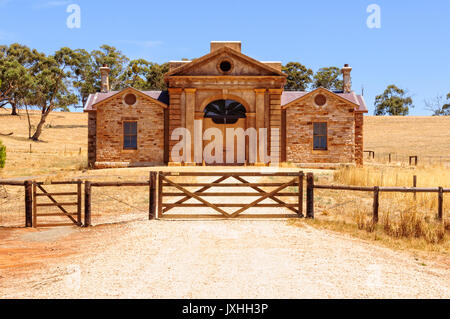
38	131
14	109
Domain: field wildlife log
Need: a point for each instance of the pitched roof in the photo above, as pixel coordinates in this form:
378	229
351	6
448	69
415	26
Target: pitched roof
290	96
161	96
217	52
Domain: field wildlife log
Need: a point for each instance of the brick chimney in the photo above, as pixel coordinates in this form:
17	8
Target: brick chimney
235	45
104	72
346	70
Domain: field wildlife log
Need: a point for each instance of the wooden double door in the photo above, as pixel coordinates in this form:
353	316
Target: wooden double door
211	158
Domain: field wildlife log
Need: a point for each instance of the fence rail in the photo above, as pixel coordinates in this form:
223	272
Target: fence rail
158	183
376	194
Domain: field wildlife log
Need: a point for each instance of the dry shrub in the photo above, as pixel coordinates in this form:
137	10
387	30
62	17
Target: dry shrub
409	224
363	221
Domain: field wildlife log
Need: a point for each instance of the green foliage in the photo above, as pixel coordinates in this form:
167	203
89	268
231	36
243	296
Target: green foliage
140	74
393	101
16	73
144	75
329	78
446	107
298	76
2	155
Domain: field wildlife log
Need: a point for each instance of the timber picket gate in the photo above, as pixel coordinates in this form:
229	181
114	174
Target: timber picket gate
40	190
292	188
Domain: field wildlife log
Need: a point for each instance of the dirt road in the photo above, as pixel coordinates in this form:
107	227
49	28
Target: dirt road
210	259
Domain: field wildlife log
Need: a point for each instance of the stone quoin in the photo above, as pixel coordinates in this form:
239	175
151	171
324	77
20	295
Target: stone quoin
224	90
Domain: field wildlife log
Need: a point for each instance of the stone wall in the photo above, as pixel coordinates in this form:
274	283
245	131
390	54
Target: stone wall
150	139
92	129
359	138
340	119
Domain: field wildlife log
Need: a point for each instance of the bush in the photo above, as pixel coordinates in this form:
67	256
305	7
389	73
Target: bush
2	155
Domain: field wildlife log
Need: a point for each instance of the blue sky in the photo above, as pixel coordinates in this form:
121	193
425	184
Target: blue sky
411	49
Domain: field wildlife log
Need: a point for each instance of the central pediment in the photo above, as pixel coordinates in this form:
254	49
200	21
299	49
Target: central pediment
226	62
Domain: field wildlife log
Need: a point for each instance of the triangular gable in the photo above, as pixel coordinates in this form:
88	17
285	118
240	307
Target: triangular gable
323	90
131	90
198	63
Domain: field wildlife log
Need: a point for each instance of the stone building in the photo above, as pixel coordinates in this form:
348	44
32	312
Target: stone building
225	89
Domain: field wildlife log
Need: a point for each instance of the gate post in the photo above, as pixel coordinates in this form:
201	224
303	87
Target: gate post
79	199
301	176
28	204
160	196
152	196
310	195
87	204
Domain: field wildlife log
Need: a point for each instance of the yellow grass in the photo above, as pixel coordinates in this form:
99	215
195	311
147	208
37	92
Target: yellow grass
426	137
63	145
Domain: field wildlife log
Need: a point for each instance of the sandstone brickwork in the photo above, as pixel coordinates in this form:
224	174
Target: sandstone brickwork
109	132
340	118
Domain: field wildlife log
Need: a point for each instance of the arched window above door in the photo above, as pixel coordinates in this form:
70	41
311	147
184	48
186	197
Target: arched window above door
225	111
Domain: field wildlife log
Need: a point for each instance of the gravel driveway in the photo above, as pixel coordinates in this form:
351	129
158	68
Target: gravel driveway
222	259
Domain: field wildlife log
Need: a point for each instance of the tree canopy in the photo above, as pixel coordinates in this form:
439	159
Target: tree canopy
329	78
298	76
393	101
439	106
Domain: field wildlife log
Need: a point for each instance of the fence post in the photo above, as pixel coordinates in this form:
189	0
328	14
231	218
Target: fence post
34	210
310	195
152	196
87	204
160	196
415	186
28	204
376	204
440	204
79	199
301	176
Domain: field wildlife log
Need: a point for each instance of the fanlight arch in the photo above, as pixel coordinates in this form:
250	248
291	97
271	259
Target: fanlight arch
225	111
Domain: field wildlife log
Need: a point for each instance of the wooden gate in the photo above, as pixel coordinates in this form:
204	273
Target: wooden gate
71	199
290	188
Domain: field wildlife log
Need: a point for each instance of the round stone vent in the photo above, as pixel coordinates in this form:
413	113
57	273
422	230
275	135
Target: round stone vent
225	66
130	99
320	100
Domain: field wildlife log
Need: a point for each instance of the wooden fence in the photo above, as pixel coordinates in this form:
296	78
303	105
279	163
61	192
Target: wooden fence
159	182
376	195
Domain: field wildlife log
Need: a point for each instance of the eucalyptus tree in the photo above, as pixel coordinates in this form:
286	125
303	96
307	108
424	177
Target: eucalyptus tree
393	101
17	66
299	76
329	78
52	87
